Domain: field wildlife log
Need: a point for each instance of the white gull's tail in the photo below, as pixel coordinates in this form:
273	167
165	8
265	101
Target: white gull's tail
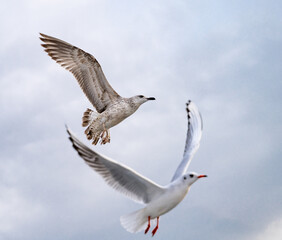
135	221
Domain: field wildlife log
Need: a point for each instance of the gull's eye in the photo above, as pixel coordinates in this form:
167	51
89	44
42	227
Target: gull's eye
184	177
191	175
141	96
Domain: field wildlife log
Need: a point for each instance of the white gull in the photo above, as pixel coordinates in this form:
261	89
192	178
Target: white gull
110	106
158	199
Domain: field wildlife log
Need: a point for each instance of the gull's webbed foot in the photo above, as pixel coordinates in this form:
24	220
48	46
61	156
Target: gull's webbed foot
156	228
105	136
148	227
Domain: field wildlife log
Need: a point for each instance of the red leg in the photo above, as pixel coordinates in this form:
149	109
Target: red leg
156	228
148	227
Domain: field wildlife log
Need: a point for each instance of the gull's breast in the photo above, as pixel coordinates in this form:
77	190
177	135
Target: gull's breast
169	200
117	113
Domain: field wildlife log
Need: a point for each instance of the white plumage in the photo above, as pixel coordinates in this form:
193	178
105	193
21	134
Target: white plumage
158	199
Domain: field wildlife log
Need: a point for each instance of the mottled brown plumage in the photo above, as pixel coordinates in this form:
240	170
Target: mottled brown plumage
111	107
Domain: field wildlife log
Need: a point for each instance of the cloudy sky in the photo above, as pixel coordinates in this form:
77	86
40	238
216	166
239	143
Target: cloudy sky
224	55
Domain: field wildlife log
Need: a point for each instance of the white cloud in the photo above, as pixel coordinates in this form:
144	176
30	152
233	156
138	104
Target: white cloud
212	53
272	231
16	211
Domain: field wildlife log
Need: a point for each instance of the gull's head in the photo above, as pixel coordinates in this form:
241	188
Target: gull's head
191	177
140	99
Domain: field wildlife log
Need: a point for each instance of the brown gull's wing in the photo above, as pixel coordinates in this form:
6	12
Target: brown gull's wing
85	68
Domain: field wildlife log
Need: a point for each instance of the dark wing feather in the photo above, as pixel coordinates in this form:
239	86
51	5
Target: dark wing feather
194	134
118	176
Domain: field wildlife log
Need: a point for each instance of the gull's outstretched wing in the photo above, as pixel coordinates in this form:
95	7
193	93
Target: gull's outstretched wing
194	134
85	68
118	176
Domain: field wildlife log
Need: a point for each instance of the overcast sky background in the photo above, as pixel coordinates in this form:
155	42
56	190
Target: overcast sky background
224	55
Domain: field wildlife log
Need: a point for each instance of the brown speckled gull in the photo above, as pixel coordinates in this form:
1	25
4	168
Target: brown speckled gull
110	106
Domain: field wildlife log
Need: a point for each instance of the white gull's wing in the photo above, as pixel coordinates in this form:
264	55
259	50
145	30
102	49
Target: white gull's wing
85	68
194	134
118	176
